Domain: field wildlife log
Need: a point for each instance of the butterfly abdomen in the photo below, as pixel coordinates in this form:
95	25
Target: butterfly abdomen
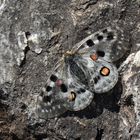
78	72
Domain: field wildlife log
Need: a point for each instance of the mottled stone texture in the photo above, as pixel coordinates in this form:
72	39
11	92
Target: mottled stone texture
29	30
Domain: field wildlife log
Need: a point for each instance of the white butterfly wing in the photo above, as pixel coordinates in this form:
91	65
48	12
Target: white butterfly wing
102	75
104	81
108	43
63	92
50	106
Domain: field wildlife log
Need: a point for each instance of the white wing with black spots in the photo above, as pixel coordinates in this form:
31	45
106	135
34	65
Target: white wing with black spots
108	43
63	92
102	75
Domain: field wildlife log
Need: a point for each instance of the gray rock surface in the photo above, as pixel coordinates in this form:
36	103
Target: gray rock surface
29	30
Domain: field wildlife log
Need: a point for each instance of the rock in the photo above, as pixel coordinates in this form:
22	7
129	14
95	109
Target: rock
31	32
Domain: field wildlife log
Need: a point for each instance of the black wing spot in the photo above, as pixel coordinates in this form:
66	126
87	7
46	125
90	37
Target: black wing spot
98	77
63	88
46	98
105	31
100	37
79	92
101	53
110	36
82	90
90	43
53	78
27	34
48	88
95	80
82	46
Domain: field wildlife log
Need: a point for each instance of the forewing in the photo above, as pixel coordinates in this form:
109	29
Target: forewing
108	43
49	107
51	103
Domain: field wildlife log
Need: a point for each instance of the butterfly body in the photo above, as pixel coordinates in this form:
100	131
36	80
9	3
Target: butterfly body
84	70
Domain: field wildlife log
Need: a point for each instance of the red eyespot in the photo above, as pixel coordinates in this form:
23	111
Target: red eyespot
105	71
59	82
94	56
72	96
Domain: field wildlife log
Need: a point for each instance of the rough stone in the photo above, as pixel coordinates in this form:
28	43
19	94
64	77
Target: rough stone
31	32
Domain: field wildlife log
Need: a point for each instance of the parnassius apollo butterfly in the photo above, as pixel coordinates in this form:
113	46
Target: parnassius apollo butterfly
84	70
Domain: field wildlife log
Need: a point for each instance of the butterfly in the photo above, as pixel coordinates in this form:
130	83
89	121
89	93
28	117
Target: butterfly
84	70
